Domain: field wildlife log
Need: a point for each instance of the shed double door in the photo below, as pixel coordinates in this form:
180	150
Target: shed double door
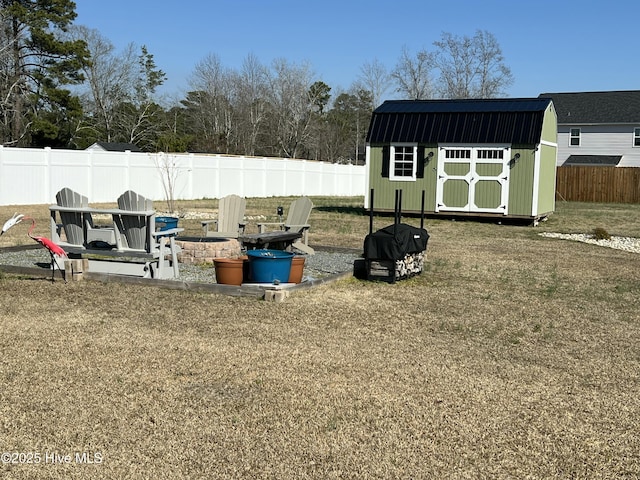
473	179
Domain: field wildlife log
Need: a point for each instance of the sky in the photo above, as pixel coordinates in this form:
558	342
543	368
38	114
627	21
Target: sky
549	45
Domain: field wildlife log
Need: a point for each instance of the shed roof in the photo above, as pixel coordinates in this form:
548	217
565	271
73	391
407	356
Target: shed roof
115	147
593	160
476	121
596	107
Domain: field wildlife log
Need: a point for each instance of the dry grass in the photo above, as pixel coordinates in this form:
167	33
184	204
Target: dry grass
512	356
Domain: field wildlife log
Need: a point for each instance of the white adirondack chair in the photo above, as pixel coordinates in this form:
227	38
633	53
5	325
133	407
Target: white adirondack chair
72	223
230	222
297	221
78	226
136	233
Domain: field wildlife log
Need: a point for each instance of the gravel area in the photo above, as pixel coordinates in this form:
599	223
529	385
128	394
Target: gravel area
629	244
32	257
320	265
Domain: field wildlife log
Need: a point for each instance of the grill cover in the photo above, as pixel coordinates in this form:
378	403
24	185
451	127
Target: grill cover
395	241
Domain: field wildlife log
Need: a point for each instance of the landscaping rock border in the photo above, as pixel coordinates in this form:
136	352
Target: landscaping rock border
629	244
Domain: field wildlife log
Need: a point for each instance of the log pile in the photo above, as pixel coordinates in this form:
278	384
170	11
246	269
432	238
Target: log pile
390	270
412	264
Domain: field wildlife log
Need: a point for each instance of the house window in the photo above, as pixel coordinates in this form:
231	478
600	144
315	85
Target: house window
403	162
636	137
574	137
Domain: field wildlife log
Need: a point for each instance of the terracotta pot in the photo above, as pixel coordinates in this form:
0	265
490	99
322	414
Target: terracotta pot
297	268
230	271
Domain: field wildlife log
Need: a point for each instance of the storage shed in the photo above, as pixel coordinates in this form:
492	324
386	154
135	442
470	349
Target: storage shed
471	157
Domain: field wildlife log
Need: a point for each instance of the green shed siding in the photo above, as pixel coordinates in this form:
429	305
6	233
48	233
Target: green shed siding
456	194
550	126
384	199
529	178
547	185
457	169
488	194
546	193
521	181
488	169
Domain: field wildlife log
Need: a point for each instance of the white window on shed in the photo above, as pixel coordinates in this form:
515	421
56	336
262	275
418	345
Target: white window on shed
490	153
457	153
636	137
403	161
574	137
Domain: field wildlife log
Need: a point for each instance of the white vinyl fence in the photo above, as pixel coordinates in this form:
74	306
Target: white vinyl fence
34	176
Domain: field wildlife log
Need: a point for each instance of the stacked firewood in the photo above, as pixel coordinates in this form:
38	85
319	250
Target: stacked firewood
412	264
389	270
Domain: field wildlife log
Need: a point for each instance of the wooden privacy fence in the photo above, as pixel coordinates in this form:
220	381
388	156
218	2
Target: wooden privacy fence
598	184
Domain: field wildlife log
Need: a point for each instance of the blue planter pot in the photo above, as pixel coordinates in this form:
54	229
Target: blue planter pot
166	223
269	266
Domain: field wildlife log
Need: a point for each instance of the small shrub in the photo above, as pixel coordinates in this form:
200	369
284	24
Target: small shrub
601	234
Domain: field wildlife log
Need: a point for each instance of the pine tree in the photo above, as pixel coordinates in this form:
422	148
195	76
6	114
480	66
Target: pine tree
35	65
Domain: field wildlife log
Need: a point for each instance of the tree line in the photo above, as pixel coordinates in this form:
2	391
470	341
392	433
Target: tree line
63	85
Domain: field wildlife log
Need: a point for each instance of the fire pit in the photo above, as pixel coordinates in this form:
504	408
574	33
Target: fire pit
198	250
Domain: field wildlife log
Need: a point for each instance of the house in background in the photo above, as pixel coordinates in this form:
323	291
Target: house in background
494	157
598	128
113	147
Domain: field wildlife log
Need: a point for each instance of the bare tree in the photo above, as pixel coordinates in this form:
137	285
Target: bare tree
375	78
291	106
494	75
109	79
413	75
251	101
471	67
169	170
138	118
456	60
211	102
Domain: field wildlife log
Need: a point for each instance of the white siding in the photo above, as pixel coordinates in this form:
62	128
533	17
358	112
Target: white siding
600	140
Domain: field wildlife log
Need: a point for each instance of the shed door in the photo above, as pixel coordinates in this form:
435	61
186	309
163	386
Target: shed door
473	179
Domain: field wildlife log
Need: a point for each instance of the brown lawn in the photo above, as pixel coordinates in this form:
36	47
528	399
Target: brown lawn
512	356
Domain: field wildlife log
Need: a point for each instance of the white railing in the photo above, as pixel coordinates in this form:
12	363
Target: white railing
34	176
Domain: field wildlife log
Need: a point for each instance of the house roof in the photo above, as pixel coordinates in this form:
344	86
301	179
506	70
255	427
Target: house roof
116	146
596	107
516	120
593	160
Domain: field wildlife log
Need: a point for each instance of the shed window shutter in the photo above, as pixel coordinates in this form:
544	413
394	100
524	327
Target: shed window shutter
386	160
420	159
